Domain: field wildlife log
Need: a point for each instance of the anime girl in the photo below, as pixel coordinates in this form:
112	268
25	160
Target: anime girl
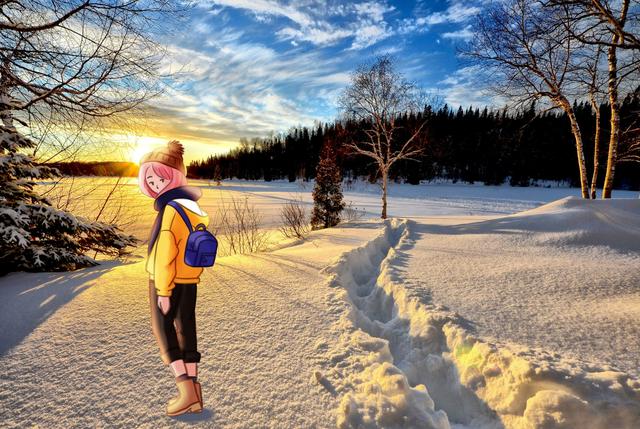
172	283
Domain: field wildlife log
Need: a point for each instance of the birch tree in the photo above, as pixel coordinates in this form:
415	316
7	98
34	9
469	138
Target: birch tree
613	25
376	97
591	79
530	58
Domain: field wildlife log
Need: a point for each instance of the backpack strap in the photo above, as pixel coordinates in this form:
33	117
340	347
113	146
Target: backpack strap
182	214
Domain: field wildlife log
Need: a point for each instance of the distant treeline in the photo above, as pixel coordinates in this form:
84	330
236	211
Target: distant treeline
472	145
104	168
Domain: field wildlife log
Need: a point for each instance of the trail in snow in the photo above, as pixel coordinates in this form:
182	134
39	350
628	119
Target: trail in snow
403	360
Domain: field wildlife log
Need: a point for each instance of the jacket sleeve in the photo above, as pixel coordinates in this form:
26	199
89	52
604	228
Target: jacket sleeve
165	263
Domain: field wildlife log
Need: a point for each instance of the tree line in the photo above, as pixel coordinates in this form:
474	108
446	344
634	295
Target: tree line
468	145
97	168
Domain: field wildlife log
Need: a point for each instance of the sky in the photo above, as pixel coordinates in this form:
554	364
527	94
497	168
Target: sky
249	68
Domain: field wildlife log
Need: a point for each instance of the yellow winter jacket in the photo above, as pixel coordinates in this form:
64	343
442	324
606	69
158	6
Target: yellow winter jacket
165	263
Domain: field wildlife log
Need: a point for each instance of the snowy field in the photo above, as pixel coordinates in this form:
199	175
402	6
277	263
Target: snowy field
439	199
475	307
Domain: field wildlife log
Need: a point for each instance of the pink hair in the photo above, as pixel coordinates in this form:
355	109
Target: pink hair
175	177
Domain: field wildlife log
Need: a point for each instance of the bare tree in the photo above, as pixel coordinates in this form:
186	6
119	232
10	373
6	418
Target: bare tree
592	80
630	137
294	219
70	68
530	57
67	66
614	25
74	65
377	96
603	19
352	213
238	225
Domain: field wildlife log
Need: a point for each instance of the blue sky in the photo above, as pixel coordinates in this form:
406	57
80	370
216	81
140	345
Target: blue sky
250	67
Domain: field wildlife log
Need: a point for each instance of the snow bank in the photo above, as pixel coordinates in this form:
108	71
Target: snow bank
563	277
402	361
574	221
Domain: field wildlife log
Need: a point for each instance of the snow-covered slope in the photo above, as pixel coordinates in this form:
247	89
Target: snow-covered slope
563	277
573	221
402	360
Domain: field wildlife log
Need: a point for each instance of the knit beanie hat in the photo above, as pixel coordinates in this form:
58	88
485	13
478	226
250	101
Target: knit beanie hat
170	155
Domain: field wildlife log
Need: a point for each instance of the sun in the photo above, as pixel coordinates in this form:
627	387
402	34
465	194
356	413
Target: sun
138	152
141	147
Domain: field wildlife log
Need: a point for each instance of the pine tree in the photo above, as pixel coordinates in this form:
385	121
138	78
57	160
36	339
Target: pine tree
34	235
217	175
327	192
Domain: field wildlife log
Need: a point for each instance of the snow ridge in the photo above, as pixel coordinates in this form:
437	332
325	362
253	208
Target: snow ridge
401	361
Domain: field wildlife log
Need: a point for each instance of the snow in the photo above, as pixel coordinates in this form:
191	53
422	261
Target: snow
477	307
77	348
478	383
561	277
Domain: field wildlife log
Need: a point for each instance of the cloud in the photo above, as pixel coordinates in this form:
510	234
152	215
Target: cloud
235	88
375	10
323	35
267	7
310	21
370	34
463	34
456	13
464	88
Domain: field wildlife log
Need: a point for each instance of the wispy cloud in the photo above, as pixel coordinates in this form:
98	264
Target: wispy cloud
464	88
456	13
267	7
238	88
463	34
247	68
310	21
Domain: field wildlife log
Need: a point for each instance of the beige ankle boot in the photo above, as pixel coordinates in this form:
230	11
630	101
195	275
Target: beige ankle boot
187	400
198	392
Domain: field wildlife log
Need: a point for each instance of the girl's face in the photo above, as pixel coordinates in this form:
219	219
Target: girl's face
155	182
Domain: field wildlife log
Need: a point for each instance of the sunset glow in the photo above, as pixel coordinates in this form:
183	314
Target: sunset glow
142	146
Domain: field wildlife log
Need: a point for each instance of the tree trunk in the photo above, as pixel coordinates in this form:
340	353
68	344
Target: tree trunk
575	129
596	154
6	101
614	137
385	176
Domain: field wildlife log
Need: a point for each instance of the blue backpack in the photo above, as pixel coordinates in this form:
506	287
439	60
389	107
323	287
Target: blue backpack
202	246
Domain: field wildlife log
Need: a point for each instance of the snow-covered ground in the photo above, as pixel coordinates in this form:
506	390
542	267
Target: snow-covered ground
405	358
81	353
477	307
437	199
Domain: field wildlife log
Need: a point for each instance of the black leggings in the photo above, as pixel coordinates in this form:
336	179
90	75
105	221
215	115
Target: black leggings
176	331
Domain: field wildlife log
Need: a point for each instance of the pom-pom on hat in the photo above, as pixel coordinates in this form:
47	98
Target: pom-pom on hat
170	155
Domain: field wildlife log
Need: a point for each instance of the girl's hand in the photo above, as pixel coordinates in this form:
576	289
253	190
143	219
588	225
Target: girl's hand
164	304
